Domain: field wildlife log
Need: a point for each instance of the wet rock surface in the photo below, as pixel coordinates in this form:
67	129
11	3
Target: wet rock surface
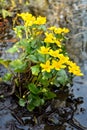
13	117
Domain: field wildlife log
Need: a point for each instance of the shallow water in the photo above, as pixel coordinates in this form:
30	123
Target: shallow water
80	83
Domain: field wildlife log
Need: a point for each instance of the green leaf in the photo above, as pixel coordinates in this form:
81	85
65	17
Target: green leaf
46	76
5	63
13	49
1	79
41	58
35	100
22	102
25	44
42	101
30	107
7	77
33	43
59	36
32	104
32	87
42	27
49	95
19	31
6	13
33	58
35	69
62	77
44	82
22	42
18	65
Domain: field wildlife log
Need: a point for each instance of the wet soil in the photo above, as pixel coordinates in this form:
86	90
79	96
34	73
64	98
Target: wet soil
66	112
59	114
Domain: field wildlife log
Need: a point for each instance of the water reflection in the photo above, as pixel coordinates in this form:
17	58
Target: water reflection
80	83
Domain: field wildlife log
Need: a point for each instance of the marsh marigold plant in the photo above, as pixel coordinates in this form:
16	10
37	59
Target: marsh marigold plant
42	61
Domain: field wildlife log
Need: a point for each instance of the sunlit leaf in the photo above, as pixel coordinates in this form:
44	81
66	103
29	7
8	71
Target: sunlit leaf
13	49
7	77
33	58
6	13
35	69
18	65
5	63
42	101
22	102
1	79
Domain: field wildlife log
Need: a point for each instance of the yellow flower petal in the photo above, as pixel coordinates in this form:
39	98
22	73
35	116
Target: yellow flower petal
46	67
40	20
44	50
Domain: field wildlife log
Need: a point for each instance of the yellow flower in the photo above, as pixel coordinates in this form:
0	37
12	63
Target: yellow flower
28	18
46	67
29	21
65	30
52	28
38	33
58	43
76	71
58	30
44	50
63	59
49	38
25	16
73	68
57	65
54	53
40	20
18	32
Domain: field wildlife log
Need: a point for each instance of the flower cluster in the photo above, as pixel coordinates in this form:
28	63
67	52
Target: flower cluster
50	45
56	59
60	62
29	20
42	60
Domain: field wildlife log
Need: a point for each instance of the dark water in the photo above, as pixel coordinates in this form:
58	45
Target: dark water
80	83
13	117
